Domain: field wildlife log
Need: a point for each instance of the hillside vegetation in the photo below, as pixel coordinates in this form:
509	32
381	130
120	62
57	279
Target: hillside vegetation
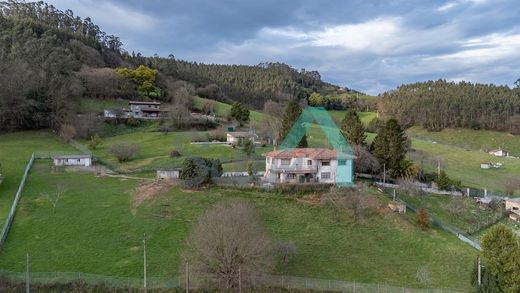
436	105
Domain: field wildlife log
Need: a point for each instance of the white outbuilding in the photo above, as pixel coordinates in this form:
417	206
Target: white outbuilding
73	160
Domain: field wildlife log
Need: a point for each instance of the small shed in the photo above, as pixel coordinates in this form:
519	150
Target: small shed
167	174
397	207
73	160
499	153
485	165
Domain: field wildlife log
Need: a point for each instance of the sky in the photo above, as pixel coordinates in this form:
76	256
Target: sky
370	46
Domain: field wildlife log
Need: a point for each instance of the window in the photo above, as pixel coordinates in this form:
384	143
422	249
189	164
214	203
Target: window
325	175
342	162
286	162
291	176
309	162
325	163
79	160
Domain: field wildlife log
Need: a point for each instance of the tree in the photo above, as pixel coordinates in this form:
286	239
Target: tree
292	113
240	113
501	255
229	244
196	171
364	161
94	142
274	123
123	151
55	198
316	100
249	147
445	183
423	219
352	128
67	132
389	147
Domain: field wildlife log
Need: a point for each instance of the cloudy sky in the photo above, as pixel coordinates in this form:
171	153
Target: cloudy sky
370	46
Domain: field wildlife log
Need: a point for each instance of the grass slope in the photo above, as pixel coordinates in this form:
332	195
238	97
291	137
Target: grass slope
94	231
15	152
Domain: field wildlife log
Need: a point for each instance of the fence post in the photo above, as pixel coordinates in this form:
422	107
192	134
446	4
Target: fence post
27	289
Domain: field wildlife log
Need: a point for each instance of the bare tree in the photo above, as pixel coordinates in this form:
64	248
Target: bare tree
365	162
274	123
123	151
512	184
67	132
228	243
55	197
356	203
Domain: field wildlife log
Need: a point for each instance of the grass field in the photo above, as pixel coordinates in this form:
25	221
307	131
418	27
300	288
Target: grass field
471	139
15	152
222	110
91	105
155	148
93	230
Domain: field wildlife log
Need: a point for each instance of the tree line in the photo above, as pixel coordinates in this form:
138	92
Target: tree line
440	104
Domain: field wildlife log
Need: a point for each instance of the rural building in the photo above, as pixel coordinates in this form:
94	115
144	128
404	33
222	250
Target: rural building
308	165
239	137
149	110
167	174
499	153
485	165
513	207
73	160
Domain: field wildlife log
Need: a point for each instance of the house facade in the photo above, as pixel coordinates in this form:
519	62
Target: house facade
149	110
513	207
499	153
239	137
308	165
73	160
168	174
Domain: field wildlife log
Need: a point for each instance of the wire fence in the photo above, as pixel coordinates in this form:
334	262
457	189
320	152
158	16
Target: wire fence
10	217
258	281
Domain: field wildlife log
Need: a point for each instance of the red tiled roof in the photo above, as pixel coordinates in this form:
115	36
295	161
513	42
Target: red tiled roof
311	153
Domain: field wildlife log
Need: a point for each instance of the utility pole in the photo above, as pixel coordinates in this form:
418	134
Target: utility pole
27	287
394	194
384	173
144	263
438	167
479	273
187	277
239	281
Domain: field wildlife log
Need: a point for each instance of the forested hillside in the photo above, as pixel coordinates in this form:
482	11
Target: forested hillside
436	105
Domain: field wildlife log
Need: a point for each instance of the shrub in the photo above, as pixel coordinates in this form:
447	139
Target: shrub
132	122
123	151
423	219
67	132
95	142
175	154
196	171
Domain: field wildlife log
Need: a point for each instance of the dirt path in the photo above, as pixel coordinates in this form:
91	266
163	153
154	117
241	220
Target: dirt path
149	190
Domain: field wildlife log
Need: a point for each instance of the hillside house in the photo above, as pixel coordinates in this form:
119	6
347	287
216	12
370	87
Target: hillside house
513	207
73	160
146	110
167	174
308	165
239	137
499	153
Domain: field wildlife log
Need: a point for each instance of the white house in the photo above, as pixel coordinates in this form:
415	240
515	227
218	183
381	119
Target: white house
73	160
302	165
149	110
499	153
238	137
167	174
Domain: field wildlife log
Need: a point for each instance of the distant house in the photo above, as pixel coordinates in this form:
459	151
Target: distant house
73	160
239	137
302	165
485	165
167	174
513	207
499	153
149	110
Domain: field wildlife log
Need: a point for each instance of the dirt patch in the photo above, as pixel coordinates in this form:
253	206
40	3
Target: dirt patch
149	190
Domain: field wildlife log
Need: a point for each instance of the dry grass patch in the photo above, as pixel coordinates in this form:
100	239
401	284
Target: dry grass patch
149	190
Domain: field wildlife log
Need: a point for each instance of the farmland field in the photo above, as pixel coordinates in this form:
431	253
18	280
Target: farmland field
94	230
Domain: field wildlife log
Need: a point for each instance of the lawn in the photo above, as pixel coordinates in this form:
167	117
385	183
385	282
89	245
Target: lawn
464	164
92	105
222	110
93	230
471	139
15	152
365	117
155	148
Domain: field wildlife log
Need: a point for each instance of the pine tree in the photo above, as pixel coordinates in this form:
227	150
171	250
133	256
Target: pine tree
389	147
352	128
292	113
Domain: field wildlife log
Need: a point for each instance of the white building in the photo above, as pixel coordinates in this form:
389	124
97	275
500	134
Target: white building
499	153
239	137
73	160
150	110
167	174
302	165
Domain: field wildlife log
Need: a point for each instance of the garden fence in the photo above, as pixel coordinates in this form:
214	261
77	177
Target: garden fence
9	220
260	281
